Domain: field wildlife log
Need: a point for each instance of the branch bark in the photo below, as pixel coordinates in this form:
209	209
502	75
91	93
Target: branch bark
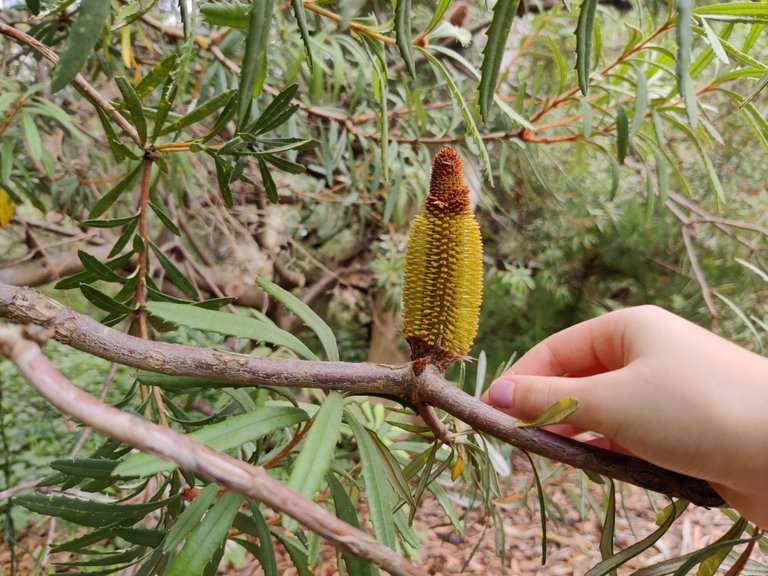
21	347
26	305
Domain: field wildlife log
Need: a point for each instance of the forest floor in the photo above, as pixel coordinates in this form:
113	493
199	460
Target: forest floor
573	540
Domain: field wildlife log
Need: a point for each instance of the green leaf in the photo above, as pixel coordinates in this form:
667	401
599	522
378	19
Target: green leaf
133	104
556	413
110	223
741	9
305	314
403	34
83	35
119	150
278	111
609	525
174	274
622	133
110	197
378	492
125	237
266	552
641	102
197	114
437	16
542	508
167	98
759	87
206	539
301	20
707	551
297	552
101	300
222	436
316	456
709	566
156	76
229	14
683	60
85	467
584	30
165	218
345	510
269	183
255	58
223	175
88	512
189	519
229	324
743	317
607	566
32	136
562	70
498	32
96	267
465	112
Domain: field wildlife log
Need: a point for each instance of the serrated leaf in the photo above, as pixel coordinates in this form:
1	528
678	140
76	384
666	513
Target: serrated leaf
229	324
301	20
316	455
83	35
167	98
498	32
378	492
403	34
255	57
270	188
206	539
585	28
156	76
558	412
101	300
222	436
201	112
110	197
174	274
133	105
305	314
88	512
683	60
345	510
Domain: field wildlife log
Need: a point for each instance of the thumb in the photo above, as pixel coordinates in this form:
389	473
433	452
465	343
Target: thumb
527	397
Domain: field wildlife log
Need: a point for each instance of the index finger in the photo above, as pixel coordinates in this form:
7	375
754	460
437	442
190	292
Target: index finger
591	347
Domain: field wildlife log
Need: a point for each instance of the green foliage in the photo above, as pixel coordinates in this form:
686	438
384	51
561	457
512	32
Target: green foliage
292	146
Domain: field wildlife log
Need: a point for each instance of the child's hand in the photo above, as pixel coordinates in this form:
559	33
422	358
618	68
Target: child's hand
658	387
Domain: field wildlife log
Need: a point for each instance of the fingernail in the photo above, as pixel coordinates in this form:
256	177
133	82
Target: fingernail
501	393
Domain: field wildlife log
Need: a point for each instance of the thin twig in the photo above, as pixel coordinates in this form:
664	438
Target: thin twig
88	91
21	347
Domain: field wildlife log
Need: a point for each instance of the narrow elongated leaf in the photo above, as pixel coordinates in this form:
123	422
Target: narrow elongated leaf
301	20
85	467
278	111
206	539
174	274
119	150
755	9
622	133
316	454
585	28
133	105
558	412
229	324
709	566
403	34
759	87
223	175
305	314
165	218
98	268
227	435
345	510
255	59
498	32
203	111
83	35
683	61
32	136
609	525
267	549
641	102
101	300
156	76
607	566
269	183
110	197
88	512
378	492
466	113
229	14
167	98
297	552
190	518
110	223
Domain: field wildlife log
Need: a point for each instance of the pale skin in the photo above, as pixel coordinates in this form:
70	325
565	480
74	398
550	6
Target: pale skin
661	388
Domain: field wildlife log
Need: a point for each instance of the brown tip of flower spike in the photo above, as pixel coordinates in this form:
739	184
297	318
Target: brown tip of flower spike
443	281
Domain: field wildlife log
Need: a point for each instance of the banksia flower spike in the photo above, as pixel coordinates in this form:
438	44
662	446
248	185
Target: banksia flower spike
443	282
